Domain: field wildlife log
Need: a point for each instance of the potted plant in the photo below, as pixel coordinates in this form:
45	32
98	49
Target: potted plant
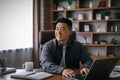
107	14
103	42
70	3
85	39
114	41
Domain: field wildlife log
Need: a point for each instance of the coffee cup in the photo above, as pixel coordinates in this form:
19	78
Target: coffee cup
28	66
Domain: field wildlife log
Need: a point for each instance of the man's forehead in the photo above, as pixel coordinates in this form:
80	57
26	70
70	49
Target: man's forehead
62	25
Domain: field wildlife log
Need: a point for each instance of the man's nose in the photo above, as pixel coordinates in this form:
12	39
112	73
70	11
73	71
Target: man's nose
59	31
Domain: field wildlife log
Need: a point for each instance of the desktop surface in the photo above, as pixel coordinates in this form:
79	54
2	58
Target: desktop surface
54	77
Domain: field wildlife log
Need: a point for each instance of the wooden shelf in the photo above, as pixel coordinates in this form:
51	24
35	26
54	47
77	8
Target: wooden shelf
83	32
106	32
99	8
58	10
95	20
113	20
89	20
104	45
97	32
80	9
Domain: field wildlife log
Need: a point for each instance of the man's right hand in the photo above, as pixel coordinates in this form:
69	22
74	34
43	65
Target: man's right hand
68	73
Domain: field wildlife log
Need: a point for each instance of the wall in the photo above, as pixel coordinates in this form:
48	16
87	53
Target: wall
16	24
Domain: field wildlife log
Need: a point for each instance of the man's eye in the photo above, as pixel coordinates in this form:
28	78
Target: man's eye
63	29
56	29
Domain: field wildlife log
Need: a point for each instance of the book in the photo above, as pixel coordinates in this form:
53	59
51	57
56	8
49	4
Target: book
115	72
116	68
32	75
102	3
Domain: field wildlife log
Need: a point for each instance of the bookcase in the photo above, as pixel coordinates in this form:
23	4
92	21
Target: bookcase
99	35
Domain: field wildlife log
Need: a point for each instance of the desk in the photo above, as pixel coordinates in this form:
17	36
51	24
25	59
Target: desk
55	77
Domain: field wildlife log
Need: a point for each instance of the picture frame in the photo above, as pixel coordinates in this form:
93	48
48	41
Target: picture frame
86	28
59	15
102	3
98	16
80	16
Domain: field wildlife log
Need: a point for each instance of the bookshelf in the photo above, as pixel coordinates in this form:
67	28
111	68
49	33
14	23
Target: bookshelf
98	31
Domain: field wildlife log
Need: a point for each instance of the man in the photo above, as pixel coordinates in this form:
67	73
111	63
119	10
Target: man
62	54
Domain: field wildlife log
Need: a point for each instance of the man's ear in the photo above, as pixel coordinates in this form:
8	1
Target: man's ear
70	32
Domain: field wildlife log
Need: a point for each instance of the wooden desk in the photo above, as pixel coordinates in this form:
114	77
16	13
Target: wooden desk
55	77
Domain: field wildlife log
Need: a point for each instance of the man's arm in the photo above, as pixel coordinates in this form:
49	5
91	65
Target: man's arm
86	61
47	61
85	58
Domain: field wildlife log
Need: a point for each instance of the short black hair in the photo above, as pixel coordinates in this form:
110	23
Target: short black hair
65	20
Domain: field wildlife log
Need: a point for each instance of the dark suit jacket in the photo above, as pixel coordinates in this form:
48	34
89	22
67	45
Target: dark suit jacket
52	54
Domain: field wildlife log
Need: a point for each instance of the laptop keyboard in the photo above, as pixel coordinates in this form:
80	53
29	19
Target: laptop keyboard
77	77
80	77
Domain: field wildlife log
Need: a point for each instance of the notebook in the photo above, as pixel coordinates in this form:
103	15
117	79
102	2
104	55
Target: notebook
100	69
32	75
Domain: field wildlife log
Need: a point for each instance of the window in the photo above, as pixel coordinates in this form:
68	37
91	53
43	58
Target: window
16	24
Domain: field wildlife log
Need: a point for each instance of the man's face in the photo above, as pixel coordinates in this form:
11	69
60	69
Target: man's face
62	32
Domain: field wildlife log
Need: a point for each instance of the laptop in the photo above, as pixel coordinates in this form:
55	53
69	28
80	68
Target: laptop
4	69
100	69
7	70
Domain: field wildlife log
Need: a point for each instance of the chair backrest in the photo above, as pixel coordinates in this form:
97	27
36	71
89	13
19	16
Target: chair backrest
47	35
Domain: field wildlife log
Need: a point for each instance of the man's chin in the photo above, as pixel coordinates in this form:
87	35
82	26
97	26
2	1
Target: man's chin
59	39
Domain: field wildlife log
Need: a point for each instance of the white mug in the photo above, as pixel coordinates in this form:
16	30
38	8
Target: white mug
28	66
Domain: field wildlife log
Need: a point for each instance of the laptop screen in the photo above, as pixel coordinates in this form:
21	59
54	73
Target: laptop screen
2	65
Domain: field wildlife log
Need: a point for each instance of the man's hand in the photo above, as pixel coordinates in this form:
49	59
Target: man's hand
84	70
68	73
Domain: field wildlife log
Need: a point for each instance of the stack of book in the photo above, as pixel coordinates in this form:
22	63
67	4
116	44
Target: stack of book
115	72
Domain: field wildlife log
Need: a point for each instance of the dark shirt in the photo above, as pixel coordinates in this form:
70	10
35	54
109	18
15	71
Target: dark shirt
52	54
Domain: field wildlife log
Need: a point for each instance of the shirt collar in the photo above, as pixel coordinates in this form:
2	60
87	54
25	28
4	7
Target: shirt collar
69	43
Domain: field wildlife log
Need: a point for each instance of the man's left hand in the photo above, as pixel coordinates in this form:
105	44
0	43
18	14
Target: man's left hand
84	70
